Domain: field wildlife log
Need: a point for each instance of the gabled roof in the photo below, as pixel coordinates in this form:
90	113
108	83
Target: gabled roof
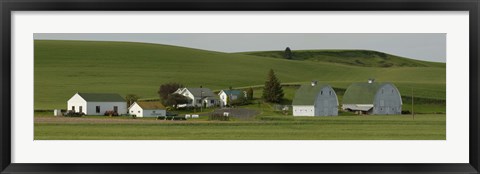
233	92
307	94
201	92
149	105
101	97
362	93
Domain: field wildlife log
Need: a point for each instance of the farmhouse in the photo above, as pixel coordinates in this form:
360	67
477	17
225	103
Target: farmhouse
226	96
315	100
97	103
147	109
372	98
198	97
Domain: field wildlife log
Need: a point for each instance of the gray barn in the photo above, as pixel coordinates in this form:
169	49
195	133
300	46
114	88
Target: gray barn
315	100
372	98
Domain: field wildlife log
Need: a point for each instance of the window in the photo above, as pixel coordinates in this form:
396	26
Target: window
330	92
115	108
97	109
199	101
153	112
73	108
138	111
212	101
131	112
321	92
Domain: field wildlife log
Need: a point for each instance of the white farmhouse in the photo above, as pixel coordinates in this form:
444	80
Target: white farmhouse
226	96
315	100
147	109
198	97
97	103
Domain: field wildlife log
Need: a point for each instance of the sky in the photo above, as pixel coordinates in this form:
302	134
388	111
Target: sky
420	46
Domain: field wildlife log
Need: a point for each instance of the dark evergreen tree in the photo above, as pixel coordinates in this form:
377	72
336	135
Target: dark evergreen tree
288	53
272	92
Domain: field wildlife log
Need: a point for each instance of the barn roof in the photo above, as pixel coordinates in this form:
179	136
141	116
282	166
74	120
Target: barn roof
362	93
197	92
102	97
307	94
148	105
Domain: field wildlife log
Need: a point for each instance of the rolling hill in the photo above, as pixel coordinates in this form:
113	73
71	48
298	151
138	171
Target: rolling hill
62	68
364	58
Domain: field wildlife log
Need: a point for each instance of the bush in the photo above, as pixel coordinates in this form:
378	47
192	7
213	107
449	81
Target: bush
110	113
73	114
406	112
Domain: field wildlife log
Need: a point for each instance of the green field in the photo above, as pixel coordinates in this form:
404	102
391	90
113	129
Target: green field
423	127
62	68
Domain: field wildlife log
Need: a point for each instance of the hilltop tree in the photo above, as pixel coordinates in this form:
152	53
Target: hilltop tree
288	53
175	100
250	93
131	98
167	89
272	92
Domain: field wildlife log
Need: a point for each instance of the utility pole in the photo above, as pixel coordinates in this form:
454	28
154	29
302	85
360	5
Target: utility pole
201	99
413	113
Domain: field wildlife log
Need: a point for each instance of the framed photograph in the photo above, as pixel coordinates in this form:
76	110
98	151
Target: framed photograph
239	87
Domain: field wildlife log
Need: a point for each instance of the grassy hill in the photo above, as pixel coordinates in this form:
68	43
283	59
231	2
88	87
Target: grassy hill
364	58
62	68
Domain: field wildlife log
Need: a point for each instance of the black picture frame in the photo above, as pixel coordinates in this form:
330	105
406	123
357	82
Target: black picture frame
8	6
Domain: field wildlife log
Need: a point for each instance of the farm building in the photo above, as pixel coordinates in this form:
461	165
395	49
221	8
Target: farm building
97	103
198	96
372	98
147	109
228	95
315	100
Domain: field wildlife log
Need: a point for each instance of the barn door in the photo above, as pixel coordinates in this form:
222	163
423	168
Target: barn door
325	108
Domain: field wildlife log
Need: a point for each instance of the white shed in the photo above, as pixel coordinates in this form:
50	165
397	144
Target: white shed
97	103
147	109
227	96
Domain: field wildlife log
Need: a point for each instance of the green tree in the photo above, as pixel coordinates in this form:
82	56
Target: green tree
272	91
167	89
175	100
288	53
131	98
250	93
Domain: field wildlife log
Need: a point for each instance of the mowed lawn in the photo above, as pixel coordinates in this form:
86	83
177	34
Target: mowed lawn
399	127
